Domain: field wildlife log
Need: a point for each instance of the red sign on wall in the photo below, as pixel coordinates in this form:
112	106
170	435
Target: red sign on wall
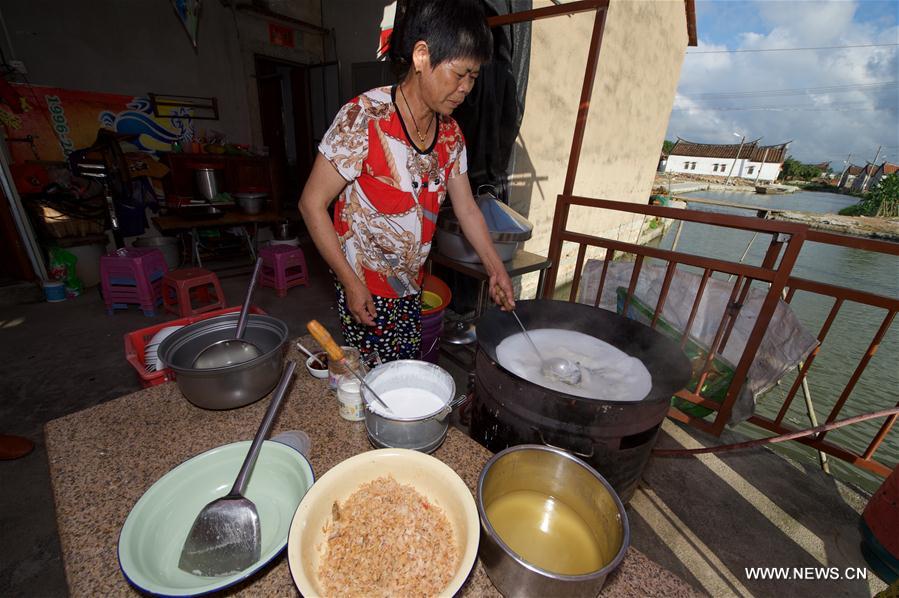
279	35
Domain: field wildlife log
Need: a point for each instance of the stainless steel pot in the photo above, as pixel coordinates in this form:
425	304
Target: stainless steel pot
208	182
232	386
554	473
424	433
250	203
508	230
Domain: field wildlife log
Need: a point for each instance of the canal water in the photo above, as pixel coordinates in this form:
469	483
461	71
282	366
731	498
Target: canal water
848	339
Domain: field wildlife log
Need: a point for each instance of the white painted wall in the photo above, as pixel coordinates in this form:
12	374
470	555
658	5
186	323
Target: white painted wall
744	168
639	66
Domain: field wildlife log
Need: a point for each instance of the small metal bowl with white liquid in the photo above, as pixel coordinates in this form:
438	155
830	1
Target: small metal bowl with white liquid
420	395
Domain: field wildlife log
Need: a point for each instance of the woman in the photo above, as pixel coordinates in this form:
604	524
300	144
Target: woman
391	155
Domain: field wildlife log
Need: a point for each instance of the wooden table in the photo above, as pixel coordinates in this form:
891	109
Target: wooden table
104	458
173	223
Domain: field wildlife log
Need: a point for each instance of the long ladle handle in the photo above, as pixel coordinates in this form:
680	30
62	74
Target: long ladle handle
245	310
240	484
508	305
324	338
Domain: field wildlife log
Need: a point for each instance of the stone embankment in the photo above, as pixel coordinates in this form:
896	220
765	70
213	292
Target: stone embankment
859	226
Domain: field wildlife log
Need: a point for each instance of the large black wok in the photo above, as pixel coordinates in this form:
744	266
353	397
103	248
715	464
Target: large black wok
615	437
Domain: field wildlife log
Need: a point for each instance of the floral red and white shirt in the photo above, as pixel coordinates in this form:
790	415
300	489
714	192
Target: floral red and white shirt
385	217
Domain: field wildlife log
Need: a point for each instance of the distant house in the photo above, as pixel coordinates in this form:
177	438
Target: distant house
886	169
822	166
863	179
848	176
762	162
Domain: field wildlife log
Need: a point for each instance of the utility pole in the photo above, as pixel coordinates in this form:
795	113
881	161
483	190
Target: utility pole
842	174
764	157
865	173
734	163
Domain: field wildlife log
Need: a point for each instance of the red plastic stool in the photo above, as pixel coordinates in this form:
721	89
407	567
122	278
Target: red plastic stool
191	291
283	267
132	275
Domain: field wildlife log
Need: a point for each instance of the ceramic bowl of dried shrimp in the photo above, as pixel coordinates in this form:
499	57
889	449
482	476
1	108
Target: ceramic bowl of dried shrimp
389	522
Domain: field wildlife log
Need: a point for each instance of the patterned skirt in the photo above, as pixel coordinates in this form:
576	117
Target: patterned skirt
397	330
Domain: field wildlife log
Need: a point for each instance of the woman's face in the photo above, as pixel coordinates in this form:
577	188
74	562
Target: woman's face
445	86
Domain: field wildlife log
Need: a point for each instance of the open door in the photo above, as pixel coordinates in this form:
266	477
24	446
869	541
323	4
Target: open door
324	99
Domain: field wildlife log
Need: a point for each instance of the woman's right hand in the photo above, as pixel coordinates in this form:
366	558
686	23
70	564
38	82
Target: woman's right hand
360	303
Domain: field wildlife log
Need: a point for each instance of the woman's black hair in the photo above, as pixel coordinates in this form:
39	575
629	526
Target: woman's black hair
451	28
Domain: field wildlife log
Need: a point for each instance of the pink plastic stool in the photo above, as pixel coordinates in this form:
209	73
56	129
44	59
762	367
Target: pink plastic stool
283	267
192	291
132	275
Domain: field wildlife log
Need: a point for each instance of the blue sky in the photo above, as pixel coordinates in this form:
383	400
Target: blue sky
827	102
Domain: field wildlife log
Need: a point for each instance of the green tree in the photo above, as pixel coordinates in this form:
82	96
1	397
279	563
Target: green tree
666	146
883	200
793	169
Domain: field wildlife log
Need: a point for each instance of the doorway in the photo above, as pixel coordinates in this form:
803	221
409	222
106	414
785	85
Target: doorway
284	112
296	104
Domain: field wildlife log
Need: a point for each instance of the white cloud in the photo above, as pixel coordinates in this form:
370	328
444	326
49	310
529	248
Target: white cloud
822	126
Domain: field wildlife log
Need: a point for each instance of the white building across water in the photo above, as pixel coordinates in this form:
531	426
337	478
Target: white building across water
756	162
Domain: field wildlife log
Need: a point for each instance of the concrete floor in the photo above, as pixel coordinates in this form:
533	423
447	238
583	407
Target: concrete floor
706	518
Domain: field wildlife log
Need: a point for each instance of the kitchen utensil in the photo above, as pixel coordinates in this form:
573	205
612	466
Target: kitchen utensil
208	181
421	431
237	350
317	372
233	386
311	355
250	203
556	367
427	475
225	537
151	358
323	338
582	548
507	228
151	538
614	437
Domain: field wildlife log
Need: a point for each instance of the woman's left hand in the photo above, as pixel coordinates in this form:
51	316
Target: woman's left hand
502	280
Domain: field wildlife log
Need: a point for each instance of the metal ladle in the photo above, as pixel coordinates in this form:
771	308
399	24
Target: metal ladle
235	350
558	368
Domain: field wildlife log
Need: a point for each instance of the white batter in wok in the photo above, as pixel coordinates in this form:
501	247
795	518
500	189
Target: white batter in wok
607	373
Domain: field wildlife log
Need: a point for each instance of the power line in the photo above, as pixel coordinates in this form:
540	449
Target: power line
738	51
722	95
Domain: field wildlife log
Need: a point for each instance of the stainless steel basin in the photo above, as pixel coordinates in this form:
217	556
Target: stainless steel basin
235	385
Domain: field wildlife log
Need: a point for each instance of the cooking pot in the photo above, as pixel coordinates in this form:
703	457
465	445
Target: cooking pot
422	432
569	485
508	230
614	437
231	386
251	203
208	180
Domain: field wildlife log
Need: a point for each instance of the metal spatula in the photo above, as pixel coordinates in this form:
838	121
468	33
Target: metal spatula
225	537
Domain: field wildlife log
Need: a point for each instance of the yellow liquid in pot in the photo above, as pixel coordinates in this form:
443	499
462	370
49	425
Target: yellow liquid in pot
545	532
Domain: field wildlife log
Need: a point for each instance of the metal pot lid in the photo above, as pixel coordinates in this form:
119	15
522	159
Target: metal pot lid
505	224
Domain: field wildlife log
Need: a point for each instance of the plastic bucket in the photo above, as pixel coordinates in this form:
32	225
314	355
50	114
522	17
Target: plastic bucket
433	290
55	291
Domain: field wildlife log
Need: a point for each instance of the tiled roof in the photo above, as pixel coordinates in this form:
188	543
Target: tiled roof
889	169
822	165
751	150
855	170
